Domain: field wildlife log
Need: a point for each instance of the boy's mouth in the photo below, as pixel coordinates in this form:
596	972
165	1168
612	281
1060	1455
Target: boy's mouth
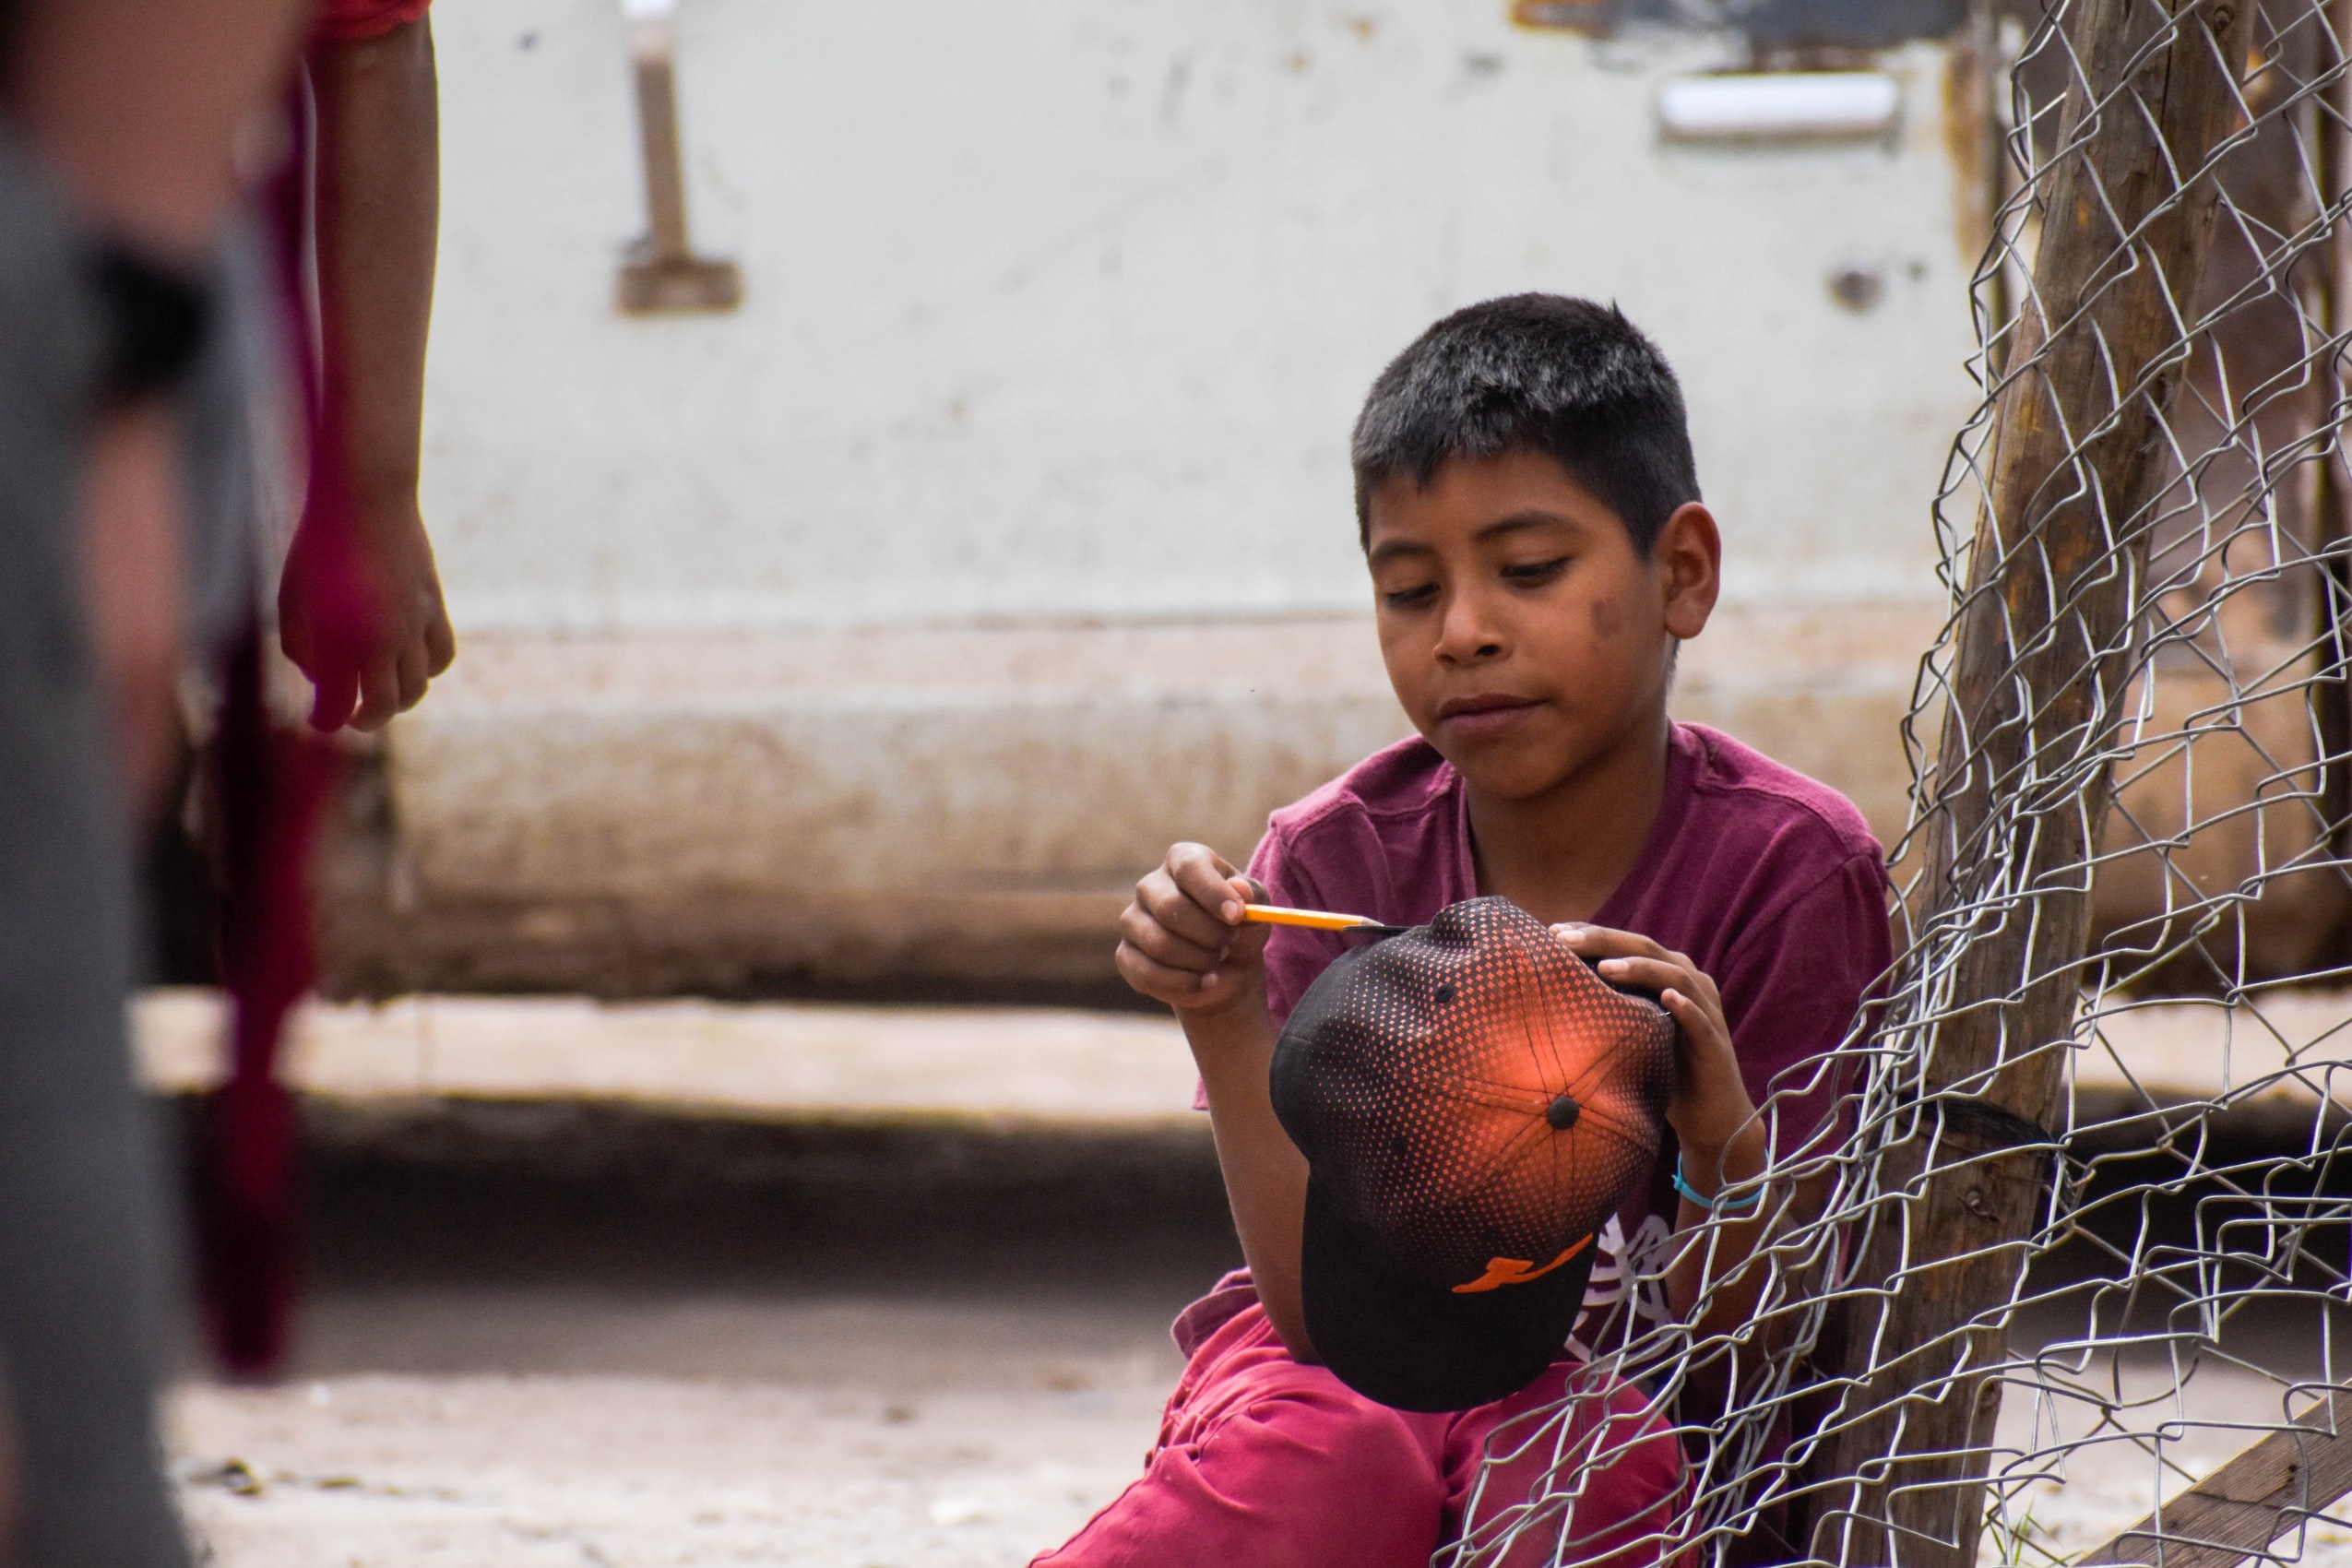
1484	712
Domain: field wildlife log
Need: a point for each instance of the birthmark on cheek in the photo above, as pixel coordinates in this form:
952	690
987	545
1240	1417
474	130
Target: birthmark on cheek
1607	620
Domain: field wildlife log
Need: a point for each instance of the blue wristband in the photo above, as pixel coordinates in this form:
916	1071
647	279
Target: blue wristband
1716	1205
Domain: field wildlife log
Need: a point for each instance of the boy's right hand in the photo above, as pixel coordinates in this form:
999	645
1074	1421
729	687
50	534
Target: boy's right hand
1183	940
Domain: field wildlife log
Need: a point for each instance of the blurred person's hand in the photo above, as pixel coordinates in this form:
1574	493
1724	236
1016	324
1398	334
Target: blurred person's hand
1183	940
410	641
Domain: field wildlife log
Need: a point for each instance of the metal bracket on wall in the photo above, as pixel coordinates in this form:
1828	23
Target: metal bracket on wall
1765	24
662	274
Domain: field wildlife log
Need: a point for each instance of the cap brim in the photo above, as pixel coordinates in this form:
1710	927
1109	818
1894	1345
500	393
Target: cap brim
1412	1346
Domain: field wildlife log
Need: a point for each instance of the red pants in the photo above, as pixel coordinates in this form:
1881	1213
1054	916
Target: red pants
1266	1463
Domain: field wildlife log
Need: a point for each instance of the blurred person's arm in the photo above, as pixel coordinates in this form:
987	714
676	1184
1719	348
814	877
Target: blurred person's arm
378	210
137	108
132	561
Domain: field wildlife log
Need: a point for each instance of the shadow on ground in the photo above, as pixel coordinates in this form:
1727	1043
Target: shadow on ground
456	1236
462	1236
2228	1236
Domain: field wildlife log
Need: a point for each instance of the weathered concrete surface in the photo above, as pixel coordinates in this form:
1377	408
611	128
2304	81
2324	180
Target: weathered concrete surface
562	1472
491	1421
2285	1057
996	1064
723	812
859	1471
2271	1064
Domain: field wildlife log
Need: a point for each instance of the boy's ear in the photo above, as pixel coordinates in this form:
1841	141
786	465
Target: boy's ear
1689	558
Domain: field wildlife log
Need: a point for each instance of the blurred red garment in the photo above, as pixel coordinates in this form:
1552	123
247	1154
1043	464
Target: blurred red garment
349	21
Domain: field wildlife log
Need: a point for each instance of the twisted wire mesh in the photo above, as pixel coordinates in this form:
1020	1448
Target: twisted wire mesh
2169	844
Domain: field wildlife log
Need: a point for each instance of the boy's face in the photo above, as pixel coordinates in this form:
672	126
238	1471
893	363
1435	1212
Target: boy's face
1526	636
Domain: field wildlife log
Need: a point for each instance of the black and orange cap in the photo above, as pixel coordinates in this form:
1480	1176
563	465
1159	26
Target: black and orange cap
1474	1102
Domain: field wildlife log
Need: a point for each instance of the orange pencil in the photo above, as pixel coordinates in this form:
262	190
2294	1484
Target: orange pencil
1315	919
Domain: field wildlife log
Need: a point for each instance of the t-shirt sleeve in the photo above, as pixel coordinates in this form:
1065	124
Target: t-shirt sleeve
1794	989
1294	956
355	21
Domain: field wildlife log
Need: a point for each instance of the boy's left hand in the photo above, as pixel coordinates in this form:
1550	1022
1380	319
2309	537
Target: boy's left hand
1710	1109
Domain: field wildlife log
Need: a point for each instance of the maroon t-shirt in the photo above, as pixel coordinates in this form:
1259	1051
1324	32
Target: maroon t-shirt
1769	881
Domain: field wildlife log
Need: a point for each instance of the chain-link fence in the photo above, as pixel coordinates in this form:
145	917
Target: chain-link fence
2063	1281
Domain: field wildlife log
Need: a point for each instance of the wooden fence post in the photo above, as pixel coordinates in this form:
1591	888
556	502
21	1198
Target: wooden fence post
2039	665
2330	303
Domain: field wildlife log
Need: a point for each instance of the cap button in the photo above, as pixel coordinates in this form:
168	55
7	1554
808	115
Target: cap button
1562	1112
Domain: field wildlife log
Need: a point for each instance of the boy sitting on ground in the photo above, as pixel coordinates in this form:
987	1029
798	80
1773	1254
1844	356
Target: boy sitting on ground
1529	510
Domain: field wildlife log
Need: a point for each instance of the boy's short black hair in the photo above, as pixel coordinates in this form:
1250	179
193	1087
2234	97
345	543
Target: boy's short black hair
1566	377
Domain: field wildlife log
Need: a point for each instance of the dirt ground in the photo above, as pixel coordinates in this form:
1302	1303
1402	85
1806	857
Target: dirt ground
557	1336
850	1434
563	1333
853	1435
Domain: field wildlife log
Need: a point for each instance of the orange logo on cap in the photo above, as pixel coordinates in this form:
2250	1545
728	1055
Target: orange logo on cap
1514	1271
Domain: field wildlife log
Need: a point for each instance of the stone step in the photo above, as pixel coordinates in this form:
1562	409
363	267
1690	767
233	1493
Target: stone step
798	1060
2277	1060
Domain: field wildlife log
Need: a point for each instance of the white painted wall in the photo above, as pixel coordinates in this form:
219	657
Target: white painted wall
1063	307
804	640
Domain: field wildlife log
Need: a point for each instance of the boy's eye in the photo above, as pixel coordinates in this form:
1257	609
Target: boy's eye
1408	599
1536	571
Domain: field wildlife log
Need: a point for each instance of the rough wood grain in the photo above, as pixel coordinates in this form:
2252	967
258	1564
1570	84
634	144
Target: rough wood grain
2037	685
2330	302
2250	1502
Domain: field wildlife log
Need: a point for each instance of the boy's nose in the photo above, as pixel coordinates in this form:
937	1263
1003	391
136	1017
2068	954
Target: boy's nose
1465	635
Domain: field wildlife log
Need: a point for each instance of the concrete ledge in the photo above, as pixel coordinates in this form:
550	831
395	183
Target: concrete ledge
1035	1064
816	811
2283	1059
2269	1070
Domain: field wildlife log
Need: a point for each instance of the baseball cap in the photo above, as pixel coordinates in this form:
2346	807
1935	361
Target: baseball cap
1474	1102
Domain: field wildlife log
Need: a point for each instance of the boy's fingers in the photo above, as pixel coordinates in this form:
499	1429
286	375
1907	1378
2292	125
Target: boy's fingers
1686	1010
1701	1026
1161	897
1609	948
1605	942
1154	978
1147	935
1650	974
1247	944
1656	974
1205	877
1151	978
